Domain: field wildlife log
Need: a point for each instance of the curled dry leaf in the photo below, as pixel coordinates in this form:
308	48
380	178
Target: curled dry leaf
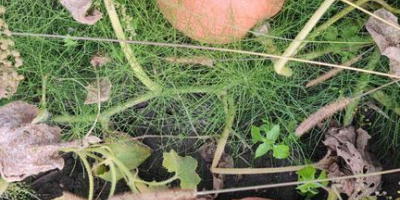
98	61
262	30
386	37
207	152
94	95
192	60
347	155
25	148
79	9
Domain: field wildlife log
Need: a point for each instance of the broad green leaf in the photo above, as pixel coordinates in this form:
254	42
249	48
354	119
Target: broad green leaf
281	151
273	134
323	176
309	188
184	167
265	127
303	188
262	149
104	172
255	134
307	173
130	153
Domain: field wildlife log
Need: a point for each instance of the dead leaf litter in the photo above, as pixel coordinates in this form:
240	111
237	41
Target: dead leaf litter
80	10
347	155
99	61
197	60
27	149
95	96
386	37
207	152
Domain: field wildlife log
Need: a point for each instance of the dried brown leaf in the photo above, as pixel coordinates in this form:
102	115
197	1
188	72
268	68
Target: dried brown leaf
218	182
261	30
386	37
207	152
172	194
332	72
79	10
347	155
98	61
93	91
27	149
322	114
192	60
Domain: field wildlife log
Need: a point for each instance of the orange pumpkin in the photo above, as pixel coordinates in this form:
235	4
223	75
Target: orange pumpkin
217	21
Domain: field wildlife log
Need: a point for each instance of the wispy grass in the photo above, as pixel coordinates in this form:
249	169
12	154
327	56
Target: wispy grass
258	92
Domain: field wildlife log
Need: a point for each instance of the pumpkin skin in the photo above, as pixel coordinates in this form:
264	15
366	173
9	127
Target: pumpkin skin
217	21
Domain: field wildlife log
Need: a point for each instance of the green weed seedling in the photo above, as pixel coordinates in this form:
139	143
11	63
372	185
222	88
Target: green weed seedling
308	174
184	169
268	138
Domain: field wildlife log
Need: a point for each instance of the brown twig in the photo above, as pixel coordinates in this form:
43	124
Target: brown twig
332	72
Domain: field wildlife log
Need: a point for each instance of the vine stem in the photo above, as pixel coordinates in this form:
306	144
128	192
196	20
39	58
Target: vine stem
136	67
327	24
291	50
127	172
105	115
113	180
230	110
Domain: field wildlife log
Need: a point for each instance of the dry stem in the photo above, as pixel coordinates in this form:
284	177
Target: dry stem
137	69
291	50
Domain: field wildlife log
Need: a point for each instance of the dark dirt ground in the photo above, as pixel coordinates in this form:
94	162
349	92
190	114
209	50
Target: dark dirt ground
73	178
